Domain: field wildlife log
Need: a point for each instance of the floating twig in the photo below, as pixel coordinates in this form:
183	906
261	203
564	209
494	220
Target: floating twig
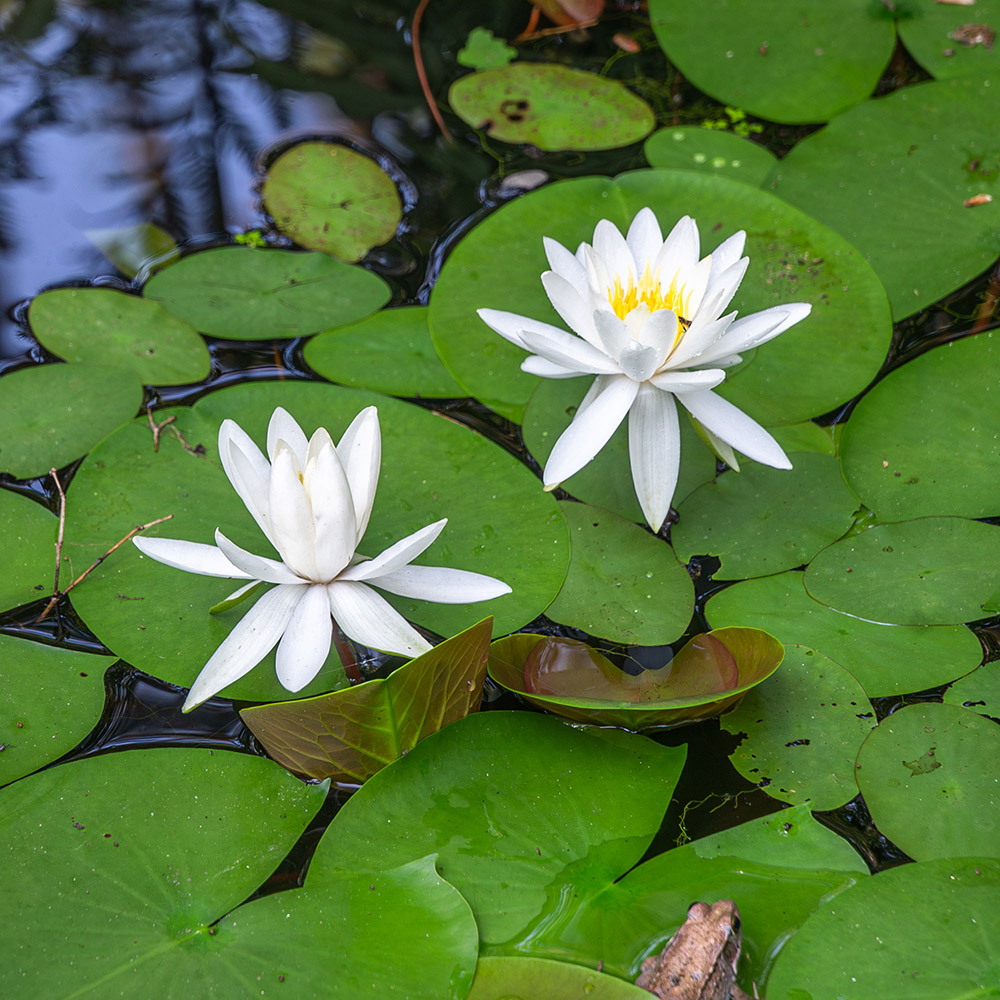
156	428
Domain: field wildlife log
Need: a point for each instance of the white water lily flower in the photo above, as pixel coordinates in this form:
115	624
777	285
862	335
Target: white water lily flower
312	500
647	315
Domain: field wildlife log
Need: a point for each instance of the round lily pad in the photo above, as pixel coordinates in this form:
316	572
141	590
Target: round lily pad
922	774
715	151
801	63
805	436
824	360
886	659
761	520
930	571
552	107
104	326
910	933
389	352
924	440
801	731
29	531
248	293
932	145
329	197
950	39
52	698
978	691
623	583
54	414
502	978
709	674
158	618
607	481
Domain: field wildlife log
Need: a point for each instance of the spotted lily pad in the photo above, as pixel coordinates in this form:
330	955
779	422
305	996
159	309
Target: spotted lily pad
922	774
761	520
929	571
552	107
249	293
886	659
924	440
801	731
950	39
801	63
54	414
822	361
104	326
687	147
916	157
623	583
389	352
329	197
708	675
978	691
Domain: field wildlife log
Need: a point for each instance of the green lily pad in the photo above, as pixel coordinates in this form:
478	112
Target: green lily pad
52	698
762	520
922	774
134	248
249	293
805	436
157	617
607	481
923	441
886	659
978	691
944	39
329	197
483	50
30	533
623	583
349	735
104	326
822	361
126	859
707	676
801	731
389	352
551	107
451	796
930	571
54	414
514	976
911	933
688	147
801	63
932	145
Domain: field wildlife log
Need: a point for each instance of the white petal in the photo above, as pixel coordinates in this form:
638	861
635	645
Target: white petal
291	516
371	620
590	430
396	556
679	252
535	365
573	307
697	338
644	239
610	246
660	332
360	453
693	283
726	254
305	644
511	327
570	352
689	381
565	264
247	468
615	335
755	329
654	447
442	585
192	557
726	421
253	566
333	515
720	292
283	427
251	639
638	362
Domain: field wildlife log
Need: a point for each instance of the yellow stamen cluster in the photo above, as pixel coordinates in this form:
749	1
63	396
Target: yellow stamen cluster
625	297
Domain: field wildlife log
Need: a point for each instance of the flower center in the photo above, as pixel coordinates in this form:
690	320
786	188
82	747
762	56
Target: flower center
624	297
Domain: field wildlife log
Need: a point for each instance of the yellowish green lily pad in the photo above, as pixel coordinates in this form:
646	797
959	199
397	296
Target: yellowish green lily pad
714	151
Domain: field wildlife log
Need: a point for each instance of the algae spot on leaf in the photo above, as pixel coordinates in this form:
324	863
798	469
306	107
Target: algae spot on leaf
551	107
688	147
329	197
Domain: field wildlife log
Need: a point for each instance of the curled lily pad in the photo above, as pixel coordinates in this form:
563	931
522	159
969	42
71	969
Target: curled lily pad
248	293
711	673
351	734
688	147
133	248
329	197
551	107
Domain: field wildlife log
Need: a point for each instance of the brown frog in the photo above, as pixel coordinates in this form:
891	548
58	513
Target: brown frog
699	961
